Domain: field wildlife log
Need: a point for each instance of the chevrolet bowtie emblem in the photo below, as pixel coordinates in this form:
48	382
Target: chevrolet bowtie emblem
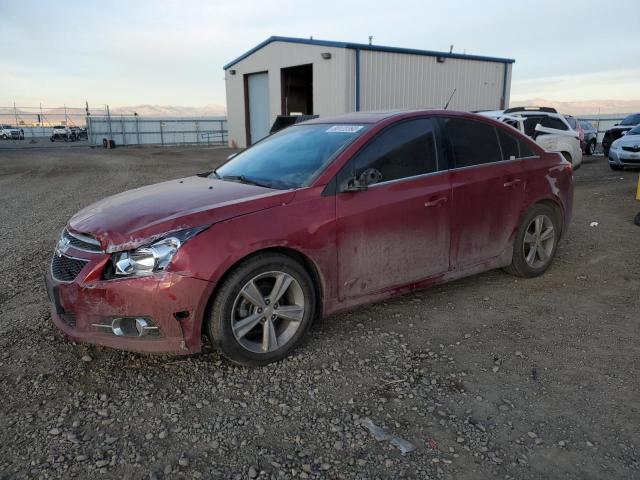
63	246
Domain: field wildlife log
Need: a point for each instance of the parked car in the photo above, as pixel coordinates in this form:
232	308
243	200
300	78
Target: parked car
625	151
64	133
546	126
588	136
616	132
7	132
320	217
79	133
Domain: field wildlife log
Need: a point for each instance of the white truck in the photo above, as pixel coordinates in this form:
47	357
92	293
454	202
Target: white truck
7	132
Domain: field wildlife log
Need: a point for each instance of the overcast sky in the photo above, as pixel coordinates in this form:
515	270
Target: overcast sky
172	52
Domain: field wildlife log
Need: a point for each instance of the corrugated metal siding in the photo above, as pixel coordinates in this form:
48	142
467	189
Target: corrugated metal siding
387	80
393	80
331	92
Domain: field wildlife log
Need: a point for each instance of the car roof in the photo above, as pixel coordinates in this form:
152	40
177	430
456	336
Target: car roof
373	117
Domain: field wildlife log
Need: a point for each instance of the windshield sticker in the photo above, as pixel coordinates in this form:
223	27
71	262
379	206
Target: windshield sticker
344	129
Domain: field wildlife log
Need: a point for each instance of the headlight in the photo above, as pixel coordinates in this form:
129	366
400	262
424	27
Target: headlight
154	257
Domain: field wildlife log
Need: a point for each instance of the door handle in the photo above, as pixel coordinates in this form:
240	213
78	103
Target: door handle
436	203
512	183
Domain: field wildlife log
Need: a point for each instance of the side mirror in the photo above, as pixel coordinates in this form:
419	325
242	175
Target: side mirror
616	124
624	133
362	181
232	155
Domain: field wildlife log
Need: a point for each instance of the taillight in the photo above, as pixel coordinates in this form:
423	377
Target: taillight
569	167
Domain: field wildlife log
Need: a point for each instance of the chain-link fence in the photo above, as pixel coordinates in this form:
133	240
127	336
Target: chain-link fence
34	127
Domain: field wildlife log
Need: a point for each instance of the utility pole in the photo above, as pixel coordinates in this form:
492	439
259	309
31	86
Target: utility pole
15	113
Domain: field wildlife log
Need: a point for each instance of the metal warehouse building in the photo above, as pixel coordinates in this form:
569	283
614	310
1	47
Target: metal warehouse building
289	76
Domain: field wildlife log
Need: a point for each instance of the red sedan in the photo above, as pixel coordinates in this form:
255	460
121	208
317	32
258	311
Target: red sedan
320	217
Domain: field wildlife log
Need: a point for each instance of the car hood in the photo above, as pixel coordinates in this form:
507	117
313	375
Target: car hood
135	217
627	141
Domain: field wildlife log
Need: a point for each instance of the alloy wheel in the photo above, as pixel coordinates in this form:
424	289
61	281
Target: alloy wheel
539	241
267	312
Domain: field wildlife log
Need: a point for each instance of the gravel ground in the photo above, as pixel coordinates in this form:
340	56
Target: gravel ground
489	377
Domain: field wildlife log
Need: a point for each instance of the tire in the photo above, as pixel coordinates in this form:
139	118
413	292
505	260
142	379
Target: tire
637	219
524	263
615	168
247	344
52	139
591	148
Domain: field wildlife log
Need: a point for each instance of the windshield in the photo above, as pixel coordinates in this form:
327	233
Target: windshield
634	131
290	158
631	119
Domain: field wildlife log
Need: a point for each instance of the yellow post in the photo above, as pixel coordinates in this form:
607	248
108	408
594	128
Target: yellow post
638	191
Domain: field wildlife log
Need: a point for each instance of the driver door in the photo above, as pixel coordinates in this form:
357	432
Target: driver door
397	230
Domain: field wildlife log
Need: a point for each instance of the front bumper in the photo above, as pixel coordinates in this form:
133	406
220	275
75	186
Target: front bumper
174	302
624	158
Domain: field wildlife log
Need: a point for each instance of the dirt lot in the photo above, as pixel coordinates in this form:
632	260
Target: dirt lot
490	377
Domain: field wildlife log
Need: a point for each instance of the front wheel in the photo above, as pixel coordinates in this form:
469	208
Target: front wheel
536	242
615	168
591	148
262	310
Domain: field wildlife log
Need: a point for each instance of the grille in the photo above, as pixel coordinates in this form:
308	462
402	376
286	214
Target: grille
66	269
77	242
69	318
632	149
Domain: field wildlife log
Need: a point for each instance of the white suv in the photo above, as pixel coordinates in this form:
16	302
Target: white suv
546	126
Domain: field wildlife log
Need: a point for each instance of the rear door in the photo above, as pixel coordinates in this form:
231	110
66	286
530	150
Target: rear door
488	188
397	231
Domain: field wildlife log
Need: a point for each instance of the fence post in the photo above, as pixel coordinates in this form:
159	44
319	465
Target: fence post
124	135
137	130
109	120
161	133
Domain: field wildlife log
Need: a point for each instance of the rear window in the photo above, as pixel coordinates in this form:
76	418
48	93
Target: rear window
631	119
586	125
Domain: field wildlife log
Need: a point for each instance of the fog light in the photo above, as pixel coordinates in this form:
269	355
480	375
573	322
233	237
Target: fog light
129	327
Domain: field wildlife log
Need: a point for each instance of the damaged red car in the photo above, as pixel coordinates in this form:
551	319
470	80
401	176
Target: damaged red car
320	217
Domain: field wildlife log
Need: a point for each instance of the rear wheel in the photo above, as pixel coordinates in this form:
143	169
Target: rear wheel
262	310
536	242
591	148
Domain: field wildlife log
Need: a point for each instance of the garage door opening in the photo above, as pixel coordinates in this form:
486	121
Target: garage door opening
297	90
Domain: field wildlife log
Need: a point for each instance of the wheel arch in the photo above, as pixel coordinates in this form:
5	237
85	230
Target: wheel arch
554	205
304	260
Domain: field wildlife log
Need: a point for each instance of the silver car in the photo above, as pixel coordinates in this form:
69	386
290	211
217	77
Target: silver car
625	151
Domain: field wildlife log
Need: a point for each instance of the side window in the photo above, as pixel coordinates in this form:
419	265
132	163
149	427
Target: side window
555	123
510	146
525	151
471	142
403	150
572	122
530	125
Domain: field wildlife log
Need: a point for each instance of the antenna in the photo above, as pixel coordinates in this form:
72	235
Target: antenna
449	101
451	49
370	39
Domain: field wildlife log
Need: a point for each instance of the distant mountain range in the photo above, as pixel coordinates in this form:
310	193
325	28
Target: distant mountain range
170	111
584	107
76	116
